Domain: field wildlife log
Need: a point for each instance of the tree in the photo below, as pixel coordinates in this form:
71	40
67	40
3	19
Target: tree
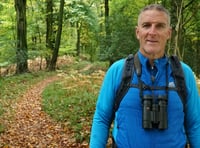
21	45
7	33
50	37
81	33
182	17
121	40
58	38
107	23
81	16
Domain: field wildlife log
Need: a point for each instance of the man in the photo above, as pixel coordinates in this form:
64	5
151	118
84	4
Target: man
130	129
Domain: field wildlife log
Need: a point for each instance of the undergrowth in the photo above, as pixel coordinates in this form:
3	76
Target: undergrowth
72	100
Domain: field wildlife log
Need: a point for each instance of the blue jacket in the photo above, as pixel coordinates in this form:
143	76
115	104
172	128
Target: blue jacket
128	131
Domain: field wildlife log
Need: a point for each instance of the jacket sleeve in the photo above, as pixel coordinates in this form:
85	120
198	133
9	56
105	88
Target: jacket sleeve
192	112
104	107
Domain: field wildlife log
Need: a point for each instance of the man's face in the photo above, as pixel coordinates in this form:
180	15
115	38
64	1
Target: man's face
153	31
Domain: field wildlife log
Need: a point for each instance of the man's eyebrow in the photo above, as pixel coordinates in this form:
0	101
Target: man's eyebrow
145	23
159	23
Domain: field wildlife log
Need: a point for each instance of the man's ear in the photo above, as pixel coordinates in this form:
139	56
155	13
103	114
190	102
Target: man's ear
137	32
169	33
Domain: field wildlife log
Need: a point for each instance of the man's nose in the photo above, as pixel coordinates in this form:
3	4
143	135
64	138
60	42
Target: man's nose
152	30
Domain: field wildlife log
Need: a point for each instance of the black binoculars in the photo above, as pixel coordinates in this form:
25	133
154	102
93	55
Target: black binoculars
154	112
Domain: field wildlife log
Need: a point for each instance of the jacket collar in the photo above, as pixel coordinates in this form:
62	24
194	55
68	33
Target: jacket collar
159	63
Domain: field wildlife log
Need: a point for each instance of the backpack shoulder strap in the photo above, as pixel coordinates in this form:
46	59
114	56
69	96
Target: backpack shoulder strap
180	84
179	78
125	82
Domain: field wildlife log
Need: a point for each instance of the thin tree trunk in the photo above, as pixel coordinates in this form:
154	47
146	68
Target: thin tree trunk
78	27
107	17
107	29
58	38
178	29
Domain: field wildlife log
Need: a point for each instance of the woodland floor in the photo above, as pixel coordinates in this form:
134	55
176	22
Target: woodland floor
33	128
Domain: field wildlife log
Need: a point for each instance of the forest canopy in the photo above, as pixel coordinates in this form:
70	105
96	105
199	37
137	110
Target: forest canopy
102	30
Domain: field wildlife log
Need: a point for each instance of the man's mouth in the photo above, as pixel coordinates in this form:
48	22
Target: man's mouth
151	41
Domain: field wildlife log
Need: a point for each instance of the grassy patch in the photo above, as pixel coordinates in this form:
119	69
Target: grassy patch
11	87
72	100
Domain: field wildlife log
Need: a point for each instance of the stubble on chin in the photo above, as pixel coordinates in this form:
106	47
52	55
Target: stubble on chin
151	54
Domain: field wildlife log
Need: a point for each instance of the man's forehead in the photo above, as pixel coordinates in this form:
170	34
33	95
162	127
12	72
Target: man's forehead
153	16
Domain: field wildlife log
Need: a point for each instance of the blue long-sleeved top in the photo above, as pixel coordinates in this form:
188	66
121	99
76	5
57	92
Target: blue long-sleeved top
128	131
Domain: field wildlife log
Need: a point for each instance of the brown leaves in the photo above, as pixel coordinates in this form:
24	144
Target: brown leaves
31	127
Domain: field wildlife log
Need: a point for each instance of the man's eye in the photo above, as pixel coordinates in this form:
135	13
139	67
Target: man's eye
146	25
160	26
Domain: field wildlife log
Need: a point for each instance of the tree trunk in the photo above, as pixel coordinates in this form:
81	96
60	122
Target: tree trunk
107	29
178	34
58	38
78	28
21	45
50	38
178	29
107	17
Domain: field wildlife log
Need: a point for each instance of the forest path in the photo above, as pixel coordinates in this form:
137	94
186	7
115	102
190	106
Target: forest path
33	128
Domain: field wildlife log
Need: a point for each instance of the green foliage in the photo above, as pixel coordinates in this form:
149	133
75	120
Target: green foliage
64	103
90	19
11	89
1	110
82	16
122	22
7	41
187	15
2	128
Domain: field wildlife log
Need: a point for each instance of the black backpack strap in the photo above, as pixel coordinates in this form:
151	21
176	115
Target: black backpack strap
137	65
179	78
180	84
125	82
124	86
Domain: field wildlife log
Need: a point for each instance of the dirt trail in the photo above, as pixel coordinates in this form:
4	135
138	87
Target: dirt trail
31	127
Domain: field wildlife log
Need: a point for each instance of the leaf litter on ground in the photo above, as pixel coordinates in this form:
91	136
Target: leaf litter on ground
32	127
